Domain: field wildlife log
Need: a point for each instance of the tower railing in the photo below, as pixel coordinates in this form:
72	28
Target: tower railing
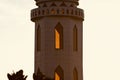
57	11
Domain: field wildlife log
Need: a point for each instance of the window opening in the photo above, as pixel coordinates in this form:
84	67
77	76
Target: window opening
59	74
75	74
58	36
75	41
38	38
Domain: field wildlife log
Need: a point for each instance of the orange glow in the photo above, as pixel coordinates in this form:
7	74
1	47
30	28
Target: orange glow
75	74
57	39
53	11
57	77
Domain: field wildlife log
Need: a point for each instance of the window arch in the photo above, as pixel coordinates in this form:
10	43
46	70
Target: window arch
75	74
75	38
59	73
38	38
58	36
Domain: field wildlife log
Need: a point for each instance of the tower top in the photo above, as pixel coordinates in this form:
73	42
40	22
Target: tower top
63	8
38	2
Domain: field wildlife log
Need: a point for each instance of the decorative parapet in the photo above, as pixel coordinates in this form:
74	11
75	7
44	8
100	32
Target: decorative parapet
57	11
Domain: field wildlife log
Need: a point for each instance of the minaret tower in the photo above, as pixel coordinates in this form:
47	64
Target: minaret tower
58	38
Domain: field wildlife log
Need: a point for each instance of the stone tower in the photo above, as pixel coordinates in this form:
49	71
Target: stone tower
58	38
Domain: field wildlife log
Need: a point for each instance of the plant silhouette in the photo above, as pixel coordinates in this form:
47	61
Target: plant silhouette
40	76
17	76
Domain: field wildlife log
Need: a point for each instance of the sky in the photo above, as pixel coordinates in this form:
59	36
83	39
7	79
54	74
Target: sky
101	38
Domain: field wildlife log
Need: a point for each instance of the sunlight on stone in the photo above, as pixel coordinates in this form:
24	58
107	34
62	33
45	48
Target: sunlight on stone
57	39
57	77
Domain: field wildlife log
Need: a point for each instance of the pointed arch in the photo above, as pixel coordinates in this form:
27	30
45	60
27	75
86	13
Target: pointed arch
75	74
58	36
38	38
75	39
59	73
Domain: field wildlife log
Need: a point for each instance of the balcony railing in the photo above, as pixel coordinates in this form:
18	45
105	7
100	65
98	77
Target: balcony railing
57	11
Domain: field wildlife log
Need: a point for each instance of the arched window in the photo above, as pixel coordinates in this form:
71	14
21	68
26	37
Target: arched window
38	38
75	74
59	74
58	36
75	38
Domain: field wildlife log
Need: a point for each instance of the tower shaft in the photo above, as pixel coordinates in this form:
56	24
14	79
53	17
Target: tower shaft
58	39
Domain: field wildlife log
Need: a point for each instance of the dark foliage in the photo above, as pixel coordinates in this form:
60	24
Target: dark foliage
17	76
40	76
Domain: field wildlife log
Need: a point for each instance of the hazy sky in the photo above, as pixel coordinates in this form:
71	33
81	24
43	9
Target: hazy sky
101	45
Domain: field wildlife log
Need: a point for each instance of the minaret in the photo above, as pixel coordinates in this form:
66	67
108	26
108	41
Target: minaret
58	39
